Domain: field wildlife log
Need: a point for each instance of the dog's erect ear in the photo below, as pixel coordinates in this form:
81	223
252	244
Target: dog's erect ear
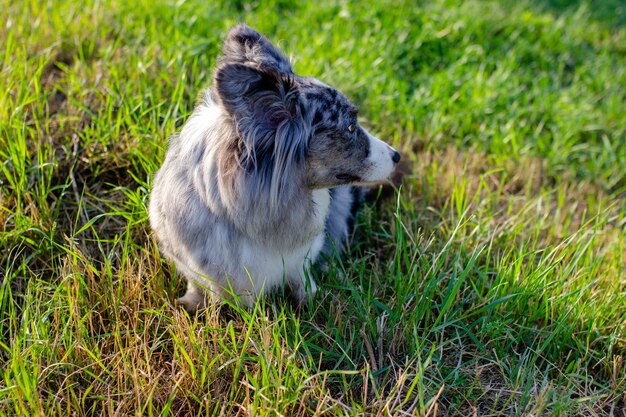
244	45
254	84
253	80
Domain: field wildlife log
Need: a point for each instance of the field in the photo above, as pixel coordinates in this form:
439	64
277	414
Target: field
492	283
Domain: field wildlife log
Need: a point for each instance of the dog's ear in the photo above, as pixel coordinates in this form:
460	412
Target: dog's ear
263	97
244	45
253	80
267	111
254	83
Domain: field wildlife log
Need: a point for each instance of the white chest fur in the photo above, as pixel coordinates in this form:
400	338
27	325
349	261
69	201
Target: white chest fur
268	267
321	204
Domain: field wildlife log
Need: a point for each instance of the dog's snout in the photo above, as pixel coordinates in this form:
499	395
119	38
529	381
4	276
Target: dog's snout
395	157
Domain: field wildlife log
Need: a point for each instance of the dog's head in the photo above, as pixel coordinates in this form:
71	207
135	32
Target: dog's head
292	128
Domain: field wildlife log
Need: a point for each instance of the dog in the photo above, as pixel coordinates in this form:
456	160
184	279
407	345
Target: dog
266	174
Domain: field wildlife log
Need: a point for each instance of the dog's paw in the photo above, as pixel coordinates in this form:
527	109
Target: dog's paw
302	291
191	302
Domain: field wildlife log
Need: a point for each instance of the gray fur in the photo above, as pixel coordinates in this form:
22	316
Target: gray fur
258	182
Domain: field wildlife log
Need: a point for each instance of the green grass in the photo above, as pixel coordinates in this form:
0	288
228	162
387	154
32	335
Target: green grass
492	284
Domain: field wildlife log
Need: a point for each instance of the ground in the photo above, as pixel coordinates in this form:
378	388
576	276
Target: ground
491	283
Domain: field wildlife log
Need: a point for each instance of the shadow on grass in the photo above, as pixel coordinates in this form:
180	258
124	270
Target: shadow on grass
612	13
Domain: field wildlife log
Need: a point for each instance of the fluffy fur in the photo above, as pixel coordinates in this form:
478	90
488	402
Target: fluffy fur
262	178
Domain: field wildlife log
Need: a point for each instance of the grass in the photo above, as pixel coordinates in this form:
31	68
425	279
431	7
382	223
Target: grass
493	283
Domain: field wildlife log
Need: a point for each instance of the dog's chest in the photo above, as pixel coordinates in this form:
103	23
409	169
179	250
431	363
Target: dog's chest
321	205
271	263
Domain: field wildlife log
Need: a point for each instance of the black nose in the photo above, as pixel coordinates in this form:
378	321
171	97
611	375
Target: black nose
395	157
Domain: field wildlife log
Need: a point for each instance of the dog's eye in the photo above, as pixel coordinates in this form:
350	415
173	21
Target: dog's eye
351	128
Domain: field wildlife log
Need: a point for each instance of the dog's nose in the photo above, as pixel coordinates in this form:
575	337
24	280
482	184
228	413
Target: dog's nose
395	157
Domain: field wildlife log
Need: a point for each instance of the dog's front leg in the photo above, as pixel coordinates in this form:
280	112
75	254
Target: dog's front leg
303	286
194	299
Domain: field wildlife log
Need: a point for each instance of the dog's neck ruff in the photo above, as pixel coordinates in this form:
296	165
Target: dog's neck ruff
300	212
